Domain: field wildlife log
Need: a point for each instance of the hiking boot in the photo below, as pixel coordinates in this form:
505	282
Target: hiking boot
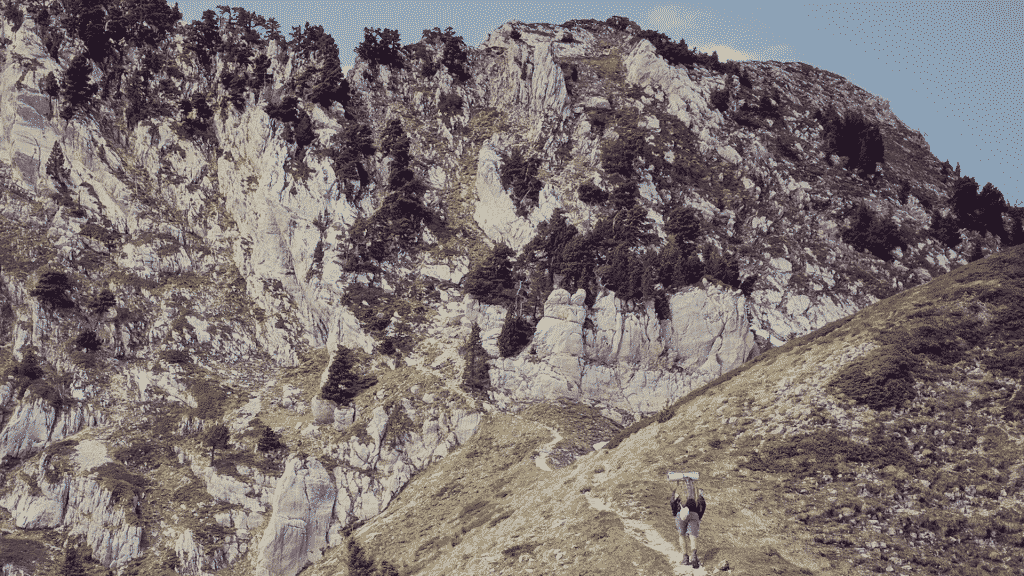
686	560
696	564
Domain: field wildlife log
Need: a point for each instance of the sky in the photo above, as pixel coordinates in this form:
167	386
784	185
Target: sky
952	70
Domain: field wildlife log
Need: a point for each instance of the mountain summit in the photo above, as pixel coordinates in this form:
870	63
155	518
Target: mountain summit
246	298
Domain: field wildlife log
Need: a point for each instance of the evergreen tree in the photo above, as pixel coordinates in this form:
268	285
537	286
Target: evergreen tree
475	377
515	334
73	562
269	440
343	383
78	87
492	281
684	223
216	437
381	47
57	169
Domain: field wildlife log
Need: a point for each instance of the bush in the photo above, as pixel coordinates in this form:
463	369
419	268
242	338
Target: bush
175	356
881	379
29	367
343	383
854	137
450	104
52	289
216	437
683	222
14	15
720	100
869	233
88	340
591	193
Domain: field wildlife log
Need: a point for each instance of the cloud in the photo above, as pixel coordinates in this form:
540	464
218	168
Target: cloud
780	53
668	18
726	52
345	69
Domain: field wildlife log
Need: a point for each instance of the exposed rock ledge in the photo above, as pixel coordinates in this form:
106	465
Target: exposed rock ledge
626	359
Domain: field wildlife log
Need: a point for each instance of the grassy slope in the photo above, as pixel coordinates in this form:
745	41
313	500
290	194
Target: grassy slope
799	477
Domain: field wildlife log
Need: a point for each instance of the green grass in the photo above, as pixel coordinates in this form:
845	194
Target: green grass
25	553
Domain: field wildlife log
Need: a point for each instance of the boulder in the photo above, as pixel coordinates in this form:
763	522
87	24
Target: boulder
303	503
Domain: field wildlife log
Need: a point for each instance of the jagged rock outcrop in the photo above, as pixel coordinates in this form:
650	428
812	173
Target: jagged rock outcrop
297	534
36	422
624	358
83	506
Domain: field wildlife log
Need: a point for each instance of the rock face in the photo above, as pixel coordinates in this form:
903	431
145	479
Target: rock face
303	504
167	280
84	507
623	358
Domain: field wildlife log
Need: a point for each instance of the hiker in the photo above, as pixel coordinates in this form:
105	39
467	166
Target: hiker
688	515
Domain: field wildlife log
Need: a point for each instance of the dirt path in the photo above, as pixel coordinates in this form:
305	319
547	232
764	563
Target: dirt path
542	459
650	537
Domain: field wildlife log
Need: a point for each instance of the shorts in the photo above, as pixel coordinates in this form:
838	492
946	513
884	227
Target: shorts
690	526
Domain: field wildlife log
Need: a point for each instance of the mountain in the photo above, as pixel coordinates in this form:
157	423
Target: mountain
885	442
246	299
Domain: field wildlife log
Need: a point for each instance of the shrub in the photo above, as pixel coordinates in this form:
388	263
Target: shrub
720	100
869	233
175	356
29	367
88	340
14	15
197	118
881	379
854	137
380	47
674	53
101	302
591	193
343	383
450	104
52	289
683	222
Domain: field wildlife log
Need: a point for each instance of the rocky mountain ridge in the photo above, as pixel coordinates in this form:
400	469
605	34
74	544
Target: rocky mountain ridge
197	216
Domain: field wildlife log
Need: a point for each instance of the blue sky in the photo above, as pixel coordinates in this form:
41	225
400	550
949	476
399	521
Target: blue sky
953	70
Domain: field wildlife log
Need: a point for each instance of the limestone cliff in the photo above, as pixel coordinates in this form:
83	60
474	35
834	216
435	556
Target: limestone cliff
191	228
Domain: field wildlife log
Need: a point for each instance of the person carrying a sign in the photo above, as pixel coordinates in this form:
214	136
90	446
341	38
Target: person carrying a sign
688	514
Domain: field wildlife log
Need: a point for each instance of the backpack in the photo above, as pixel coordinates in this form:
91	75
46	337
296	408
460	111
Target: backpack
676	506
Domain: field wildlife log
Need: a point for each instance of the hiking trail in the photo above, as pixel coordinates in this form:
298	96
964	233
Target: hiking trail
651	538
541	460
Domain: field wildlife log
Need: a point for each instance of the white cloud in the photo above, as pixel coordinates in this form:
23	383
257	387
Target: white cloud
726	52
345	69
668	18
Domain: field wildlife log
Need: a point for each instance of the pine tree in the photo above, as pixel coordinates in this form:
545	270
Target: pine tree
515	334
57	168
359	562
72	565
343	383
216	437
78	87
475	377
